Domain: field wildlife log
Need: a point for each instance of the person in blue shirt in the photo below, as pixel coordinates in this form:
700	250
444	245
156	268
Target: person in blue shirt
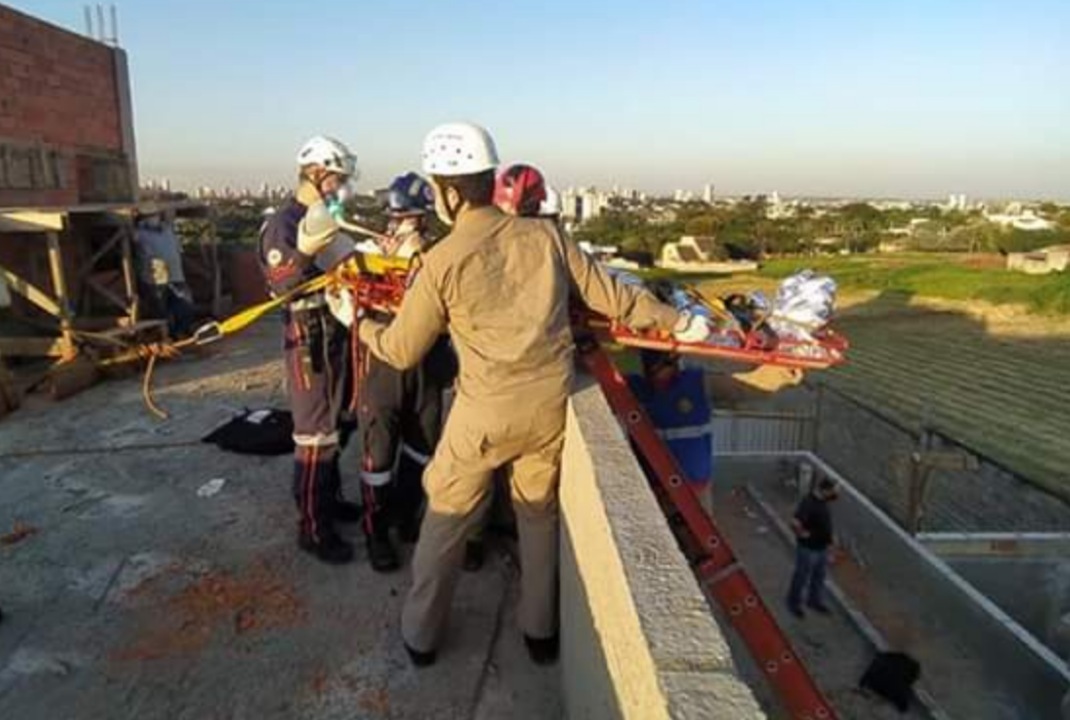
677	400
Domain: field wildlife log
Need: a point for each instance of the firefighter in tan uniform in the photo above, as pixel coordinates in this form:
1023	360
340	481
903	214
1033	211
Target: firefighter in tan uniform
500	286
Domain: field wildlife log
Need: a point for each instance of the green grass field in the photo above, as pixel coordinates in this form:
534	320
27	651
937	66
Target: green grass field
953	277
997	380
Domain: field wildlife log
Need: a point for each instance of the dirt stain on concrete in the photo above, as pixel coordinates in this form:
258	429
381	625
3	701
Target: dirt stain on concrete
217	605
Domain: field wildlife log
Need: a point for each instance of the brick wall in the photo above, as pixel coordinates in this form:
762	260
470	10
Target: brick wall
60	124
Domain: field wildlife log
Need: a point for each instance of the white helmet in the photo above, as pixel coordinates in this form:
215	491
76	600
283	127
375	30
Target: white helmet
459	149
551	206
329	154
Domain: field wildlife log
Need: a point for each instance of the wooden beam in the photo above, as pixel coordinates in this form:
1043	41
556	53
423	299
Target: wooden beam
106	293
31	221
129	276
59	283
31	292
91	263
35	347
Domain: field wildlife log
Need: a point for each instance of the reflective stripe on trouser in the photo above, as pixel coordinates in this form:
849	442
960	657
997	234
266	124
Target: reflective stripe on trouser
476	440
316	486
315	359
400	421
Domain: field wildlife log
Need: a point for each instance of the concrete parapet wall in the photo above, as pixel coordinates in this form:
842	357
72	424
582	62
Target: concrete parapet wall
638	638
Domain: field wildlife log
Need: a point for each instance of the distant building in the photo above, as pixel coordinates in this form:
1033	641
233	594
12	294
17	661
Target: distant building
956	202
892	246
1022	220
1041	262
700	254
591	204
707	194
691	249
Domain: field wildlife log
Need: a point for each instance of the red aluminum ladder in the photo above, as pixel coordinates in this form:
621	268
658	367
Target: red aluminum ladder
719	571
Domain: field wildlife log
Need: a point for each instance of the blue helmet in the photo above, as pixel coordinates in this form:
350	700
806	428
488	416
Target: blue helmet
410	194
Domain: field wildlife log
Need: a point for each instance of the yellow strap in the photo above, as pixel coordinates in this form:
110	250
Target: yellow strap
713	304
359	264
248	316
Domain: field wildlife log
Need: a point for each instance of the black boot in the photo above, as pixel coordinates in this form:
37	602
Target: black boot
421	659
381	553
344	511
409	529
543	651
407	499
315	486
329	548
341	510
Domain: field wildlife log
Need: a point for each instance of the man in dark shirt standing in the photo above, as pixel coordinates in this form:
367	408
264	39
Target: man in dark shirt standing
812	525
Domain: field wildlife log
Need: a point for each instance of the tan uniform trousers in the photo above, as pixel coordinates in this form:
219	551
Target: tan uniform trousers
477	438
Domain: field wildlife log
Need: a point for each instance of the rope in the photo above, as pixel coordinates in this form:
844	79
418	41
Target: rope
146	390
347	273
41	452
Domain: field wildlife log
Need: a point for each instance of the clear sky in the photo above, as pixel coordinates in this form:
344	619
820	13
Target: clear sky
829	97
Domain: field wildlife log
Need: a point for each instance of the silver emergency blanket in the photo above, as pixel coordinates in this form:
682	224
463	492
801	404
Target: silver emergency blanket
804	303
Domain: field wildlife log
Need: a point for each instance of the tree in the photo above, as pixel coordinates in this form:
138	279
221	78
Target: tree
1016	240
862	224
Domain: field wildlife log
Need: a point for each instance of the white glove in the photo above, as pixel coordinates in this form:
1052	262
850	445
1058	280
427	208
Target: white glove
692	328
342	306
316	230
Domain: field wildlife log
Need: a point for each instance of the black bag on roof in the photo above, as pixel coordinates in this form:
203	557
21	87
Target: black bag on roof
266	431
892	675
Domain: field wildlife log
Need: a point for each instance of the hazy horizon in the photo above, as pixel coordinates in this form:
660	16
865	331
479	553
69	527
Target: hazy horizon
825	99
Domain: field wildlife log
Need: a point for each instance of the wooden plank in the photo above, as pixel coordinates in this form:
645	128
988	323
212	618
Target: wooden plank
59	283
129	276
91	263
35	347
31	221
106	293
31	292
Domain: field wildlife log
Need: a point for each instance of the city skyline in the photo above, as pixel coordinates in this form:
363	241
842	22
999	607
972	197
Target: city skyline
888	99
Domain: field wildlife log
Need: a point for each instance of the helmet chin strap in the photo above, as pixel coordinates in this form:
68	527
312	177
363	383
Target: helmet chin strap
448	214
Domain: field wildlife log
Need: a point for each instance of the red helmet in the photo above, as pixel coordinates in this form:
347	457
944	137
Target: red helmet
520	190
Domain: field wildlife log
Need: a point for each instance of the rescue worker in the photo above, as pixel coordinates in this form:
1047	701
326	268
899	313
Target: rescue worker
500	285
677	401
400	411
518	190
314	342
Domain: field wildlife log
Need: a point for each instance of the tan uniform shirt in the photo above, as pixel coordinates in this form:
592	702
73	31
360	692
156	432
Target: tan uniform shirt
500	286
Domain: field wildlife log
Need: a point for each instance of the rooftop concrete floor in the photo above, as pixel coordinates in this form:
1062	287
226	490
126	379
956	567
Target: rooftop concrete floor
136	598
